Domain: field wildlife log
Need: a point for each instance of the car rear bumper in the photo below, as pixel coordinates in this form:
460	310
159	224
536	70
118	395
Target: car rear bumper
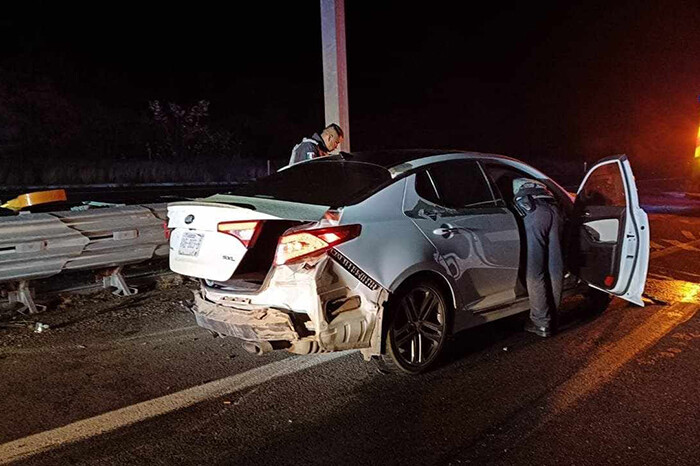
316	306
260	324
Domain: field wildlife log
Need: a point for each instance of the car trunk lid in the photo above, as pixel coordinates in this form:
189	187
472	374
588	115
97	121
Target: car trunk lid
199	249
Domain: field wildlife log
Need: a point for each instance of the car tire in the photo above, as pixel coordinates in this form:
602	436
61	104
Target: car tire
417	331
596	301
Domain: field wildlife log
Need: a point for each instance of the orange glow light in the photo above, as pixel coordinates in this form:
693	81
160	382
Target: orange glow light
688	292
697	145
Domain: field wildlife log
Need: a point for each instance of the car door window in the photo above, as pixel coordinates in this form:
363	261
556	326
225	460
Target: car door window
502	177
458	184
604	187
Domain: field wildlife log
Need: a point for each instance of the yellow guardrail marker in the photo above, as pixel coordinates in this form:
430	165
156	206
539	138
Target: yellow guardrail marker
36	198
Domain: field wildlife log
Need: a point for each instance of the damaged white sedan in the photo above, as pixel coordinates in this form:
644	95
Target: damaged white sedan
391	252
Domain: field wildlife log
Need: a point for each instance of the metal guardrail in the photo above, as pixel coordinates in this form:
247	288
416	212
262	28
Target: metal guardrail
122	193
40	245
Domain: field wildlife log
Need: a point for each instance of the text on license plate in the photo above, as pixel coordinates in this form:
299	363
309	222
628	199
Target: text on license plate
190	243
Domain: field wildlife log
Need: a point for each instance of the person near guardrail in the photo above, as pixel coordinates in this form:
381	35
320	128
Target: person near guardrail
544	269
317	145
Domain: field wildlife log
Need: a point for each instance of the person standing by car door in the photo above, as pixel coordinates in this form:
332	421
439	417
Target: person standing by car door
317	145
544	269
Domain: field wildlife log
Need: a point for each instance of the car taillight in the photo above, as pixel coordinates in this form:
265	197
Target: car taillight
246	232
302	244
166	231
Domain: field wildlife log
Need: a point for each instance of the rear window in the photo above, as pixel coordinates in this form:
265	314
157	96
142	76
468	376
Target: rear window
331	183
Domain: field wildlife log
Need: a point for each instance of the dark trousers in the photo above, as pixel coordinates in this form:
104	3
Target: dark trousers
544	272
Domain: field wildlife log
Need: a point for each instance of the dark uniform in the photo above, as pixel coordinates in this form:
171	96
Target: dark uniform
308	148
545	267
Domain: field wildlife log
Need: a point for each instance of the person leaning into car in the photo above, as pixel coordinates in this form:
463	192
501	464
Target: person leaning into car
544	271
317	145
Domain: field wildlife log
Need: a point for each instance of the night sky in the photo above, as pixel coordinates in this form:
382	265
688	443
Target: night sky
554	82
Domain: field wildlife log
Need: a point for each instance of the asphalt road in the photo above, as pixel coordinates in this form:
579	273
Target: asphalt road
134	381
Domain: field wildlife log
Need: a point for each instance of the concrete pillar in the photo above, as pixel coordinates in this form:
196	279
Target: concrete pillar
335	80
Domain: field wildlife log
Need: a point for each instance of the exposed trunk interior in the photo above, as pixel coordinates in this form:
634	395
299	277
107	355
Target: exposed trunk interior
253	269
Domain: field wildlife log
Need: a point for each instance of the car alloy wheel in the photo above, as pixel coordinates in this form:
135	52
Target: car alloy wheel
418	328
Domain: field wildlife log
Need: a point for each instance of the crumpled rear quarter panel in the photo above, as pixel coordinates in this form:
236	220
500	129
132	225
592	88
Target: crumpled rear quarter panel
341	308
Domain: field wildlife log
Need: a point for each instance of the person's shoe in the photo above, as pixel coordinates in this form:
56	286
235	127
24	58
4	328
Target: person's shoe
543	332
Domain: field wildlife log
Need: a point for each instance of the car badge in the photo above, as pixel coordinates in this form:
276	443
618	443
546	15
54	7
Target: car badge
189	219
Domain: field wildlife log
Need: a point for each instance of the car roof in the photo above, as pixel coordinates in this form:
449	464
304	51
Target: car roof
391	158
394	157
394	163
403	160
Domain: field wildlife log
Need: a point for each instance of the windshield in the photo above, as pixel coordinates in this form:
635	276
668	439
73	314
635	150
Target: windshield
332	183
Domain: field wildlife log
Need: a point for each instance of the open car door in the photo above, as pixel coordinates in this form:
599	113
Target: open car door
610	249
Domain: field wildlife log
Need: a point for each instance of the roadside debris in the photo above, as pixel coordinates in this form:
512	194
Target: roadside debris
648	299
187	306
381	369
39	327
87	205
241	398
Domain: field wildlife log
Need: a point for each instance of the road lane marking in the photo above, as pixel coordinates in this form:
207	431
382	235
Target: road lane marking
603	365
609	359
123	417
680	244
688	234
674	249
669	274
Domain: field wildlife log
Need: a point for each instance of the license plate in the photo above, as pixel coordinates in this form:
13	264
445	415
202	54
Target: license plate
190	243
